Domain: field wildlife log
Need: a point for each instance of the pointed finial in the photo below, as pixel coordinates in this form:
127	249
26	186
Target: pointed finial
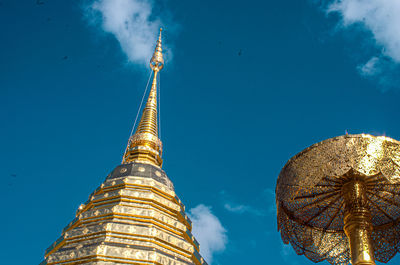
157	61
145	146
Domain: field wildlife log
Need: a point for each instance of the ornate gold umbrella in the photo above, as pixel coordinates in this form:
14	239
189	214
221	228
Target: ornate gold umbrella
340	199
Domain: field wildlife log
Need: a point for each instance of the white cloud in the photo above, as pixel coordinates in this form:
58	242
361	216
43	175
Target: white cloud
241	208
237	208
370	68
383	70
209	231
131	24
381	18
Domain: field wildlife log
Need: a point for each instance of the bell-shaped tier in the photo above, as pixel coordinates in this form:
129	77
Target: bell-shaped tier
134	217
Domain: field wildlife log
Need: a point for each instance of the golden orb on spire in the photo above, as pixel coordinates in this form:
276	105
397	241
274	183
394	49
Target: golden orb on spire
157	60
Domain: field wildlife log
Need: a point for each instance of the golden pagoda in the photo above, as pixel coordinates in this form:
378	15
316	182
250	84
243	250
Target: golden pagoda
134	217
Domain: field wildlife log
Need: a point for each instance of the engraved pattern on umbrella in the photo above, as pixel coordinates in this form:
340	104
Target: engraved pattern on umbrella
311	207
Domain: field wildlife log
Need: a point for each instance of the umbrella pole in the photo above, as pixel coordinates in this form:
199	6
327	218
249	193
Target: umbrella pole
357	223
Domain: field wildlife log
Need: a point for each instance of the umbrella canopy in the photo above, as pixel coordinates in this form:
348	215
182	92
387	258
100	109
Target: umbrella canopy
310	202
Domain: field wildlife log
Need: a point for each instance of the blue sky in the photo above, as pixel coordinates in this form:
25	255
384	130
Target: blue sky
247	85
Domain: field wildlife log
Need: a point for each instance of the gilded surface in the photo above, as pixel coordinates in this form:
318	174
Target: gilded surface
129	220
310	202
145	146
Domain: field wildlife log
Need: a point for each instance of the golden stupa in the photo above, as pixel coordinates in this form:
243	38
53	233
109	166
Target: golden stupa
134	217
339	200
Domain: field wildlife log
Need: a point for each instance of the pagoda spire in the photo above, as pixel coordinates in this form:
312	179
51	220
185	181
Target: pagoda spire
145	146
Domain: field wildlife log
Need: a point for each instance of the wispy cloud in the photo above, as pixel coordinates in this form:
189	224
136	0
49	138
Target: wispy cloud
380	18
383	70
241	209
270	199
288	254
370	68
132	24
209	231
